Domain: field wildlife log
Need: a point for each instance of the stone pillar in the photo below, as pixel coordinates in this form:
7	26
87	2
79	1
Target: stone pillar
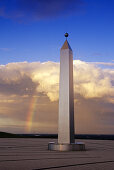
66	99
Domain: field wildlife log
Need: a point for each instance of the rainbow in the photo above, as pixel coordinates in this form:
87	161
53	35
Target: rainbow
31	112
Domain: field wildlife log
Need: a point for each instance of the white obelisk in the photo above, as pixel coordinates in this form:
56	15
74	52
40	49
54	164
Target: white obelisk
66	98
66	140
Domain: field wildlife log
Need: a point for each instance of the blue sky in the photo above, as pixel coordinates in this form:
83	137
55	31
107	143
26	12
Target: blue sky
26	38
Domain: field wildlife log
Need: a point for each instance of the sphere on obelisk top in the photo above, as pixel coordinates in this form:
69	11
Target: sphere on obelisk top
66	35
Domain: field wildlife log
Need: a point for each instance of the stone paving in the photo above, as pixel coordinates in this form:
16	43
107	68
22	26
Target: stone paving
33	154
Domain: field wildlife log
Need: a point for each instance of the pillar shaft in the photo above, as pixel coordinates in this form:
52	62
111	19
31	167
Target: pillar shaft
66	99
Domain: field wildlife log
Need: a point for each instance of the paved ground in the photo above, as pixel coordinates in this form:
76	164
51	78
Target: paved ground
31	154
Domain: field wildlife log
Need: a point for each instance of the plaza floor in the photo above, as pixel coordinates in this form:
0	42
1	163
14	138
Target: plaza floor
33	154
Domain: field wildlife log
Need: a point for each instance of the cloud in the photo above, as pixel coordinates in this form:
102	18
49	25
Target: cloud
38	9
93	96
96	54
5	49
90	81
103	63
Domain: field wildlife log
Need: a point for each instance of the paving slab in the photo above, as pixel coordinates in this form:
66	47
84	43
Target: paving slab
33	154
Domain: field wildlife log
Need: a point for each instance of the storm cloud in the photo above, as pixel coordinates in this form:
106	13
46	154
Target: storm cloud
39	9
21	83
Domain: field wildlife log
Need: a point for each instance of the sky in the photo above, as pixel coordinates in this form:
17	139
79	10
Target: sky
31	35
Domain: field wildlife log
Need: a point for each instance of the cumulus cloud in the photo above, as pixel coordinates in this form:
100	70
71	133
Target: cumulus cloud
38	9
93	89
89	81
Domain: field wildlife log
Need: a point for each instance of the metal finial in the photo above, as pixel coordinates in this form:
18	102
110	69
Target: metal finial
66	35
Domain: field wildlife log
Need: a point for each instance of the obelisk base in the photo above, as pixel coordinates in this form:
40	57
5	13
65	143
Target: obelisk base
78	146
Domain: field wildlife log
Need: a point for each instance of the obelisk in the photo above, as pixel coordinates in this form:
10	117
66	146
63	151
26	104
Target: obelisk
66	98
66	140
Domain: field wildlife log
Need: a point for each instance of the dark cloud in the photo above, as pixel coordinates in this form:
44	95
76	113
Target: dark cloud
23	86
39	9
94	115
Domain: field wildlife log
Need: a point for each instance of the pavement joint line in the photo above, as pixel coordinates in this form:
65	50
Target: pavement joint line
21	147
42	159
54	158
65	166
